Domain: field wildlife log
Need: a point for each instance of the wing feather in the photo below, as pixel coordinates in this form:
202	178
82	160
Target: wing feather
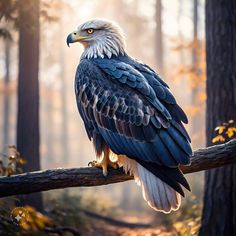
131	115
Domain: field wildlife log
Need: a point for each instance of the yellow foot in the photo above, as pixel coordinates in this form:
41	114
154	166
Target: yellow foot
104	164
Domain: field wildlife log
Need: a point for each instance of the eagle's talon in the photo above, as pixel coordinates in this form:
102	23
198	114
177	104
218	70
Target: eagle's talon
104	164
94	164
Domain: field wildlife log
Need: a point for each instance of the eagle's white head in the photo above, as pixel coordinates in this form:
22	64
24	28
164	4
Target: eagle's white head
99	37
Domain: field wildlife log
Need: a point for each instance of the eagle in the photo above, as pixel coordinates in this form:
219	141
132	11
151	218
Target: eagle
130	113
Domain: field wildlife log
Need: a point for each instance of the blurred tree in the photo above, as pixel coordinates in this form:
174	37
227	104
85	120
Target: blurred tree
28	137
6	101
64	110
194	71
25	18
180	34
6	14
196	120
158	44
219	215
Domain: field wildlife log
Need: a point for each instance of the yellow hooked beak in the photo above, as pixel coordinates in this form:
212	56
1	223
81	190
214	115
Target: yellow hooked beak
75	37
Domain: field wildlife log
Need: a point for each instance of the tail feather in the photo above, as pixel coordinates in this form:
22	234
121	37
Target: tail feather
172	176
159	195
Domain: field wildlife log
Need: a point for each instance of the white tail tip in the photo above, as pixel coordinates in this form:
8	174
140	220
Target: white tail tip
159	195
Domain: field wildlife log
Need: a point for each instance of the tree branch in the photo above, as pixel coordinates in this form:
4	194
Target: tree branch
202	159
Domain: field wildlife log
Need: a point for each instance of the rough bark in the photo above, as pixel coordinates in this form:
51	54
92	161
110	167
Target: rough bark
202	159
28	90
219	215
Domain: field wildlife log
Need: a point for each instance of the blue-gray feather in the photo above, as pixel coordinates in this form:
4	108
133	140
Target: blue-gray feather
128	108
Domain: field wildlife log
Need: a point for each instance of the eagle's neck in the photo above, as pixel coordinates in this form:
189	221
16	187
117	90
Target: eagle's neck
106	47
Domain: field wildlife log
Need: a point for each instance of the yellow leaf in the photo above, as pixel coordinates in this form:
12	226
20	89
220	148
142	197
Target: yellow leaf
230	132
220	129
21	161
218	138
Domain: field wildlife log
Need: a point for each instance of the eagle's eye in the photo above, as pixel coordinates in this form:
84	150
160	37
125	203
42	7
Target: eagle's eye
90	31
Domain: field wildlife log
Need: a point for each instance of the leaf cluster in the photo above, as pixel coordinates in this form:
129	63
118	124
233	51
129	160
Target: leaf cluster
225	132
11	163
36	221
194	72
189	218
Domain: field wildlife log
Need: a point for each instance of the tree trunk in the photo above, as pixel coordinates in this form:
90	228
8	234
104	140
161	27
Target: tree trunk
28	91
219	214
196	120
49	111
180	34
64	110
158	43
6	100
